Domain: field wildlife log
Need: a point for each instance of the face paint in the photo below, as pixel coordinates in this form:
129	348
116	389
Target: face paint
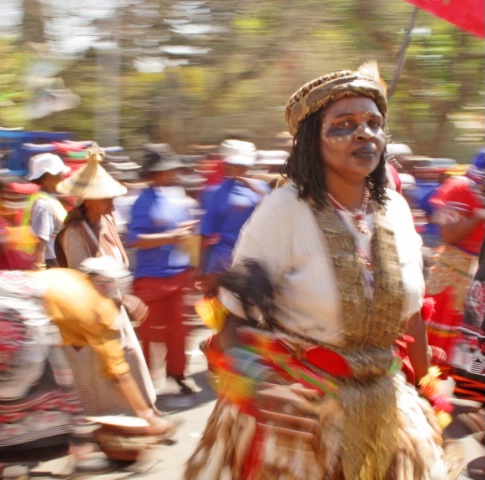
349	124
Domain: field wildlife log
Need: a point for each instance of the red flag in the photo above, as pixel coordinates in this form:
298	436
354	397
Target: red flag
465	14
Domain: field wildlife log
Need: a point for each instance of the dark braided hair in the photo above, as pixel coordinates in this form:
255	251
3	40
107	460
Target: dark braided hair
305	167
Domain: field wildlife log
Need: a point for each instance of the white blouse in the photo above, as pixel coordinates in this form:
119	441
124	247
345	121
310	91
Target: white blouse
283	236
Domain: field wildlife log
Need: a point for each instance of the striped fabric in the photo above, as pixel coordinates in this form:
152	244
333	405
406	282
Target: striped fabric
37	398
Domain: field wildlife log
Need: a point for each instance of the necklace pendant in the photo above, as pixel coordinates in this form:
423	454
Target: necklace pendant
361	225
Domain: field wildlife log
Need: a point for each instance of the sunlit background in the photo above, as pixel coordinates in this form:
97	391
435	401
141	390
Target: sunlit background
188	73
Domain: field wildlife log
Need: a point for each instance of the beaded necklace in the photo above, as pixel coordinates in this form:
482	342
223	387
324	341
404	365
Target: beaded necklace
358	216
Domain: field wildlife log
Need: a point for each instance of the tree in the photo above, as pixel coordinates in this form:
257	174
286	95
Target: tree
189	70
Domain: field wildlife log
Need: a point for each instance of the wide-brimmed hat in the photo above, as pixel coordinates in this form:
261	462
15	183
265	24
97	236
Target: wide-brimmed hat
92	181
320	92
45	163
238	152
159	157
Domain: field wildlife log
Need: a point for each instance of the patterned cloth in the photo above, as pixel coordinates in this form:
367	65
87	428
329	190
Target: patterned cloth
78	241
468	355
37	398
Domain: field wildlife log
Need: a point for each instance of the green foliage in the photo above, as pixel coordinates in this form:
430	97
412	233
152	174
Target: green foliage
258	55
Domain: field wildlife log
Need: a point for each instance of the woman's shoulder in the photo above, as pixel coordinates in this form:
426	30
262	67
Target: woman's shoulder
282	201
43	204
396	205
287	195
395	197
281	207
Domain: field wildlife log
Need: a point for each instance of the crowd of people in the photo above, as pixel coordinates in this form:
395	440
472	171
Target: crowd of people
313	282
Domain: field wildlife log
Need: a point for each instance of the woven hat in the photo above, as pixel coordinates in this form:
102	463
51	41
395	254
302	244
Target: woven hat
238	152
45	163
344	83
92	181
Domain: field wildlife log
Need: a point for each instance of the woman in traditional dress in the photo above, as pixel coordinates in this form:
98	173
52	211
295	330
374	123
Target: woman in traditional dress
90	231
313	387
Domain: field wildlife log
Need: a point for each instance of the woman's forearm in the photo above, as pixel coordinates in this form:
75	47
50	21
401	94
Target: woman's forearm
454	233
418	350
153	240
39	253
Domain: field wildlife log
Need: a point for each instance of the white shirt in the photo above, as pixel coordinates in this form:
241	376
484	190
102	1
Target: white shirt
283	236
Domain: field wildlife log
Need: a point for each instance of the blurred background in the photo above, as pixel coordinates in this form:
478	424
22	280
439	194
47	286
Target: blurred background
190	73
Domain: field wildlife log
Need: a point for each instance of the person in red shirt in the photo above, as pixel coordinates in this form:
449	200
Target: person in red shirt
459	211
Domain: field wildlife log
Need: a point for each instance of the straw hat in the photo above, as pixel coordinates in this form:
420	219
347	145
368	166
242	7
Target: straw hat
92	181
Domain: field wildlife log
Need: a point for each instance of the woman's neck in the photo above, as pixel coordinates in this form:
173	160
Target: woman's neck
350	196
93	219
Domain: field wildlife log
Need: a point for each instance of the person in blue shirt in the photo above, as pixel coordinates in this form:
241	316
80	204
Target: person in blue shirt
229	207
161	225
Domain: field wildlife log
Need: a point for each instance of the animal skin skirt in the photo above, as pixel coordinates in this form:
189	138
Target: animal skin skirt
297	435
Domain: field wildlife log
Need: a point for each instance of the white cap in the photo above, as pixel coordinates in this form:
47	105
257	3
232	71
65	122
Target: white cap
105	266
238	152
45	163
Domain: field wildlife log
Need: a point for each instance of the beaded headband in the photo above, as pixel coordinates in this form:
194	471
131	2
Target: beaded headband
333	86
